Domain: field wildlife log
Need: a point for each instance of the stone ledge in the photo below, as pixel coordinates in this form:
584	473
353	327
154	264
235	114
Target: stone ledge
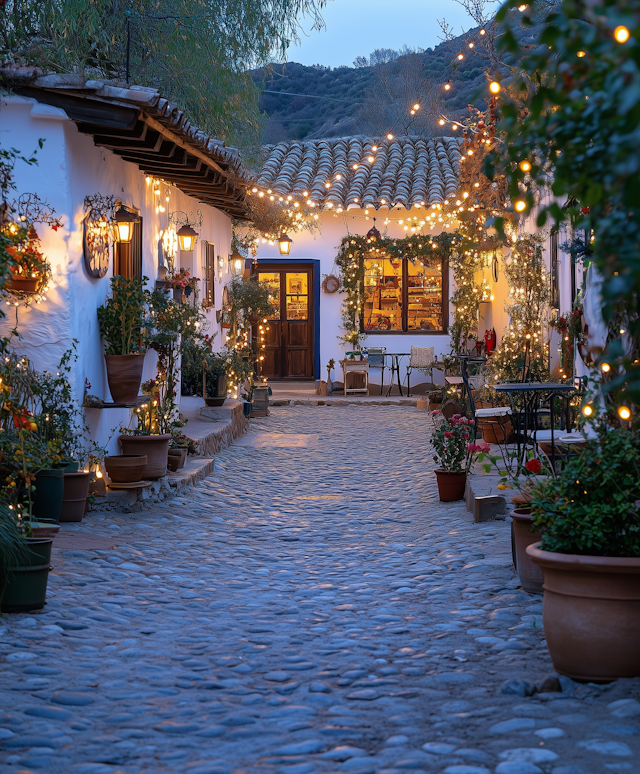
327	401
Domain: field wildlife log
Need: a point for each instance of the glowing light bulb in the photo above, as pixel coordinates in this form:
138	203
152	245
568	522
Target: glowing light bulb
605	367
624	412
525	166
587	410
494	87
520	205
621	34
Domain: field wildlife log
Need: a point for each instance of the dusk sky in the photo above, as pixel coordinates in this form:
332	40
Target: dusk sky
357	27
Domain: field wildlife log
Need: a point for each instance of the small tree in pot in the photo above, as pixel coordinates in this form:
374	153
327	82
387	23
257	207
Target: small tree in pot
454	452
589	517
122	322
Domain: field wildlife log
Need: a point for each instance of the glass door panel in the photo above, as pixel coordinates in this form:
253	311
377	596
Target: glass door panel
272	282
297	296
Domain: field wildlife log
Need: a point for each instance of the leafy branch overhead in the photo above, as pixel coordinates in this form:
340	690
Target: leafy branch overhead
196	52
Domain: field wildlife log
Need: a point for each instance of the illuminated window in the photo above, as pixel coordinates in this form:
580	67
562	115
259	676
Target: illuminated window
404	297
209	278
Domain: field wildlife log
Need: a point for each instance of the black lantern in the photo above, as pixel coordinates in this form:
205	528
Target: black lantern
284	244
124	224
187	236
373	234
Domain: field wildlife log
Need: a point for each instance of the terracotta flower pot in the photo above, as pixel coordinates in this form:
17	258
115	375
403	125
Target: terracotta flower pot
125	468
591	614
76	491
156	449
494	432
529	573
24	284
177	458
124	374
450	485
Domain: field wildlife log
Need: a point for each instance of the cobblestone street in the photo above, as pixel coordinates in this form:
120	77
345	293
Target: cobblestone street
310	607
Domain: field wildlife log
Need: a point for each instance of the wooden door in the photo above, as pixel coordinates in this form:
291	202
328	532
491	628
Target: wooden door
290	335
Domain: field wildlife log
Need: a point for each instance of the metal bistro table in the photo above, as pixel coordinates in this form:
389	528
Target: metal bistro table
525	410
395	368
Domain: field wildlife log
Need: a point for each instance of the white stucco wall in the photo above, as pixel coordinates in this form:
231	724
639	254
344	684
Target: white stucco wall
69	168
323	246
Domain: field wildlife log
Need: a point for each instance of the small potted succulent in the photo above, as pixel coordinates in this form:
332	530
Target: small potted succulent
122	326
589	552
454	452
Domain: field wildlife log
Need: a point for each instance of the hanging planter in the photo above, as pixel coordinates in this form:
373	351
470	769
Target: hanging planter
30	272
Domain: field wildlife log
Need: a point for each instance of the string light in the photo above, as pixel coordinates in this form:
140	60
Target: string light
621	34
494	87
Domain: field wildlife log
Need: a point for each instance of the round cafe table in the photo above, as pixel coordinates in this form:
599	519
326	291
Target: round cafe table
526	399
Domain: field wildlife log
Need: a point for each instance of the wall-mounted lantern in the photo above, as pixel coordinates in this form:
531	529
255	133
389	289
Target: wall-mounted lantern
187	237
124	221
236	264
284	244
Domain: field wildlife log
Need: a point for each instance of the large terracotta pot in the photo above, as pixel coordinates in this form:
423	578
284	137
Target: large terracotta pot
76	491
450	485
529	573
125	468
156	449
124	374
591	614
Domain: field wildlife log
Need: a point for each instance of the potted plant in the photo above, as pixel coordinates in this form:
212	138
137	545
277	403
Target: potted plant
125	468
159	417
214	378
454	452
589	553
148	439
30	271
122	321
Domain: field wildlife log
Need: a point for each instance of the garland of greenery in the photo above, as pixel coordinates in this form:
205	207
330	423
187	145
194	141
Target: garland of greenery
354	250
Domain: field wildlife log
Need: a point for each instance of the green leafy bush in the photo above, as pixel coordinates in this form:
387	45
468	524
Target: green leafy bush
123	317
592	506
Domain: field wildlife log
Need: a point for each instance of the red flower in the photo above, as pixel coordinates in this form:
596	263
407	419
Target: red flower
534	466
585	210
448	434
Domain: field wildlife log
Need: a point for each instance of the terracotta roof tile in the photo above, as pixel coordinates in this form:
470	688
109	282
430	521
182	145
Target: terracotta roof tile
406	170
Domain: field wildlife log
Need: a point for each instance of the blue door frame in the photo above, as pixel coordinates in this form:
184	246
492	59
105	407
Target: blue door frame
316	301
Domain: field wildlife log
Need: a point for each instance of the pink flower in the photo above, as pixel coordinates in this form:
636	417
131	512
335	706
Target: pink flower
436	411
479	447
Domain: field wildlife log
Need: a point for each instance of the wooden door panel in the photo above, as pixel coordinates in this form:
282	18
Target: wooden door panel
271	363
298	334
297	364
272	337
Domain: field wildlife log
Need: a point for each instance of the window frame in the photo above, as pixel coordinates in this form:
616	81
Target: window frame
554	269
209	275
130	253
405	305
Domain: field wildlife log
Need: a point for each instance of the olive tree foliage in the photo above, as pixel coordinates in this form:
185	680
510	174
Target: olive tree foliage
399	84
576	120
196	52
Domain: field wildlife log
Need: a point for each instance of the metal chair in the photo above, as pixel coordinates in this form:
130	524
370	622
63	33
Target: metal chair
377	357
421	359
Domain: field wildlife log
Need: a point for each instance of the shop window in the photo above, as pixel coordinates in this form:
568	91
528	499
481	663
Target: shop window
127	256
404	297
209	278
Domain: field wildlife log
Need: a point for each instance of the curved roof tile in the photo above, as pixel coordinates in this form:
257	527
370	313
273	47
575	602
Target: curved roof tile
406	170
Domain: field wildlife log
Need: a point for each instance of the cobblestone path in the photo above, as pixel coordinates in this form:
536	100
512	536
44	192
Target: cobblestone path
311	607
